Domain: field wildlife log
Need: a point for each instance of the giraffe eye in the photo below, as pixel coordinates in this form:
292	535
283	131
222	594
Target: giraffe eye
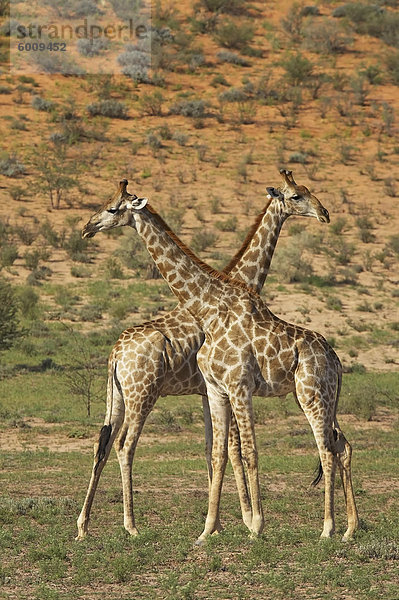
112	210
295	197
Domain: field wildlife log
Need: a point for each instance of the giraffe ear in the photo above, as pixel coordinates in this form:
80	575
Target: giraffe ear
136	203
273	193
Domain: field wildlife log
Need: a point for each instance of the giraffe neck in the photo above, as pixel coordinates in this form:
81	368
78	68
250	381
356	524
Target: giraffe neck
253	266
194	283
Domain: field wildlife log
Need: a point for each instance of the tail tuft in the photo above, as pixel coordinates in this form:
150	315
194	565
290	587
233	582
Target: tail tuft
105	435
319	475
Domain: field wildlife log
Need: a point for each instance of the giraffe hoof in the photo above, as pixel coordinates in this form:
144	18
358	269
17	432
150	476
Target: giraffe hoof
200	542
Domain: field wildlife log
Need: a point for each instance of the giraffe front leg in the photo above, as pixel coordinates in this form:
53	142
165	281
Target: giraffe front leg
329	465
125	448
208	448
241	401
220	413
235	455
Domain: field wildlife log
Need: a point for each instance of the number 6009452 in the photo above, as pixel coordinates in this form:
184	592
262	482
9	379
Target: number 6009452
41	46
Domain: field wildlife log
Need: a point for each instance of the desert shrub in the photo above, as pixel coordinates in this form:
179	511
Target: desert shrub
42	104
25	234
28	301
108	108
5	89
49	234
392	65
84	8
360	88
136	62
235	35
181	138
229	224
290	264
151	104
9	322
299	157
227	56
372	19
189	108
292	22
10	166
365	229
298	69
113	268
8	255
326	37
56	62
233	7
175	218
153	141
92	47
393	244
201	240
76	247
233	95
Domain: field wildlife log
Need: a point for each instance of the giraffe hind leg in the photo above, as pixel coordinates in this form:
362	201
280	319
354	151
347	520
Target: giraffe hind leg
344	453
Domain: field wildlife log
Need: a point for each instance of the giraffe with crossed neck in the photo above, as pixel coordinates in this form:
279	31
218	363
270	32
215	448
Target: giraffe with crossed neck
125	209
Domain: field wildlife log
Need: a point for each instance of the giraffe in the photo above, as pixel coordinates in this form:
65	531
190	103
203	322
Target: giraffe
246	347
163	353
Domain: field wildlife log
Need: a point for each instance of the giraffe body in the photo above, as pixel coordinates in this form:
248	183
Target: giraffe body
162	335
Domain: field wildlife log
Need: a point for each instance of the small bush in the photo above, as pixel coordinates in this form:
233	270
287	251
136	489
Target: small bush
56	62
392	64
136	62
181	138
326	38
11	167
9	330
76	247
231	57
92	47
8	255
108	108
235	35
151	104
201	240
25	234
298	69
113	268
189	108
28	301
42	104
229	224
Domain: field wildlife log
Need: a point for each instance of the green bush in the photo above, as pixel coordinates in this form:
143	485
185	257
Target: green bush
235	35
151	104
9	323
392	65
8	255
201	240
76	247
326	37
298	69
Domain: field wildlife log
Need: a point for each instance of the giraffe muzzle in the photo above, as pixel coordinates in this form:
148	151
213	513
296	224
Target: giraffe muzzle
324	216
89	231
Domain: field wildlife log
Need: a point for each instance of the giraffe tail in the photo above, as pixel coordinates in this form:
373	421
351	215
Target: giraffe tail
103	440
115	409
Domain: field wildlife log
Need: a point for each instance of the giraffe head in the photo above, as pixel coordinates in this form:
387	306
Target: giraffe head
116	212
297	200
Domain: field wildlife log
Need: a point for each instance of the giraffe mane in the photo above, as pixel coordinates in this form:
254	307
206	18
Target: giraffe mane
222	276
230	266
